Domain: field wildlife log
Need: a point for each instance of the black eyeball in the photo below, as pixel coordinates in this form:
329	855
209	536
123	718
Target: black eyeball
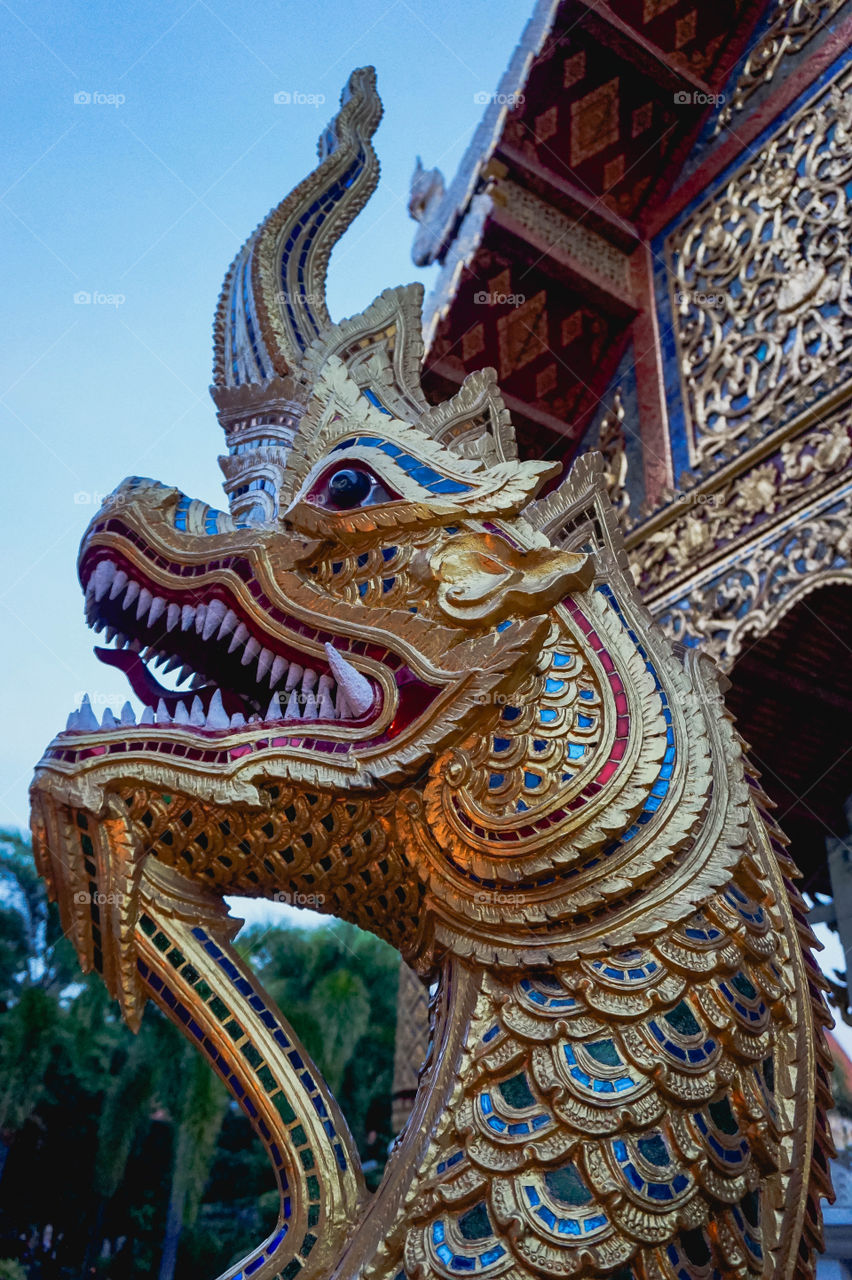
348	488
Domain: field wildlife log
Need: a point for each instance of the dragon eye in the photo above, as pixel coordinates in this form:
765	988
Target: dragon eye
348	488
349	485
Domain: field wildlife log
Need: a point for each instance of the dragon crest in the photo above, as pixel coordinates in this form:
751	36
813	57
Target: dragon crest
435	703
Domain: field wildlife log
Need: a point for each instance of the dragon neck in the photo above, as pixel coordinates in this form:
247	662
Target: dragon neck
454	1004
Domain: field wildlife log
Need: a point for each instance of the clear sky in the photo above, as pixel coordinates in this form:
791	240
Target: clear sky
142	194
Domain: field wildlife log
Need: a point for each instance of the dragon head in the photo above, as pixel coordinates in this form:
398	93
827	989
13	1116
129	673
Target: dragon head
387	646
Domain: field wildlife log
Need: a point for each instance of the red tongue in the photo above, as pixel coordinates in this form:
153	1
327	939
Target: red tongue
150	691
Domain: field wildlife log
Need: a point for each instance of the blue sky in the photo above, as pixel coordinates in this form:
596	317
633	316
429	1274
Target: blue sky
142	195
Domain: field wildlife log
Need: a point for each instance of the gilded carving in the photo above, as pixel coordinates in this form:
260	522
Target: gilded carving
566	234
760	279
705	523
794	24
748	598
612	446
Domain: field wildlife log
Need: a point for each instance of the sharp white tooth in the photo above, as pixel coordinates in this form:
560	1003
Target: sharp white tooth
255	719
326	706
326	685
172	617
309	679
121	641
98	626
229	621
359	693
217	716
279	666
130	594
309	711
158	608
147	716
146	598
101	580
86	718
187	617
239	637
119	582
200	615
184	673
163	716
251	651
171	665
108	720
73	720
110	634
198	681
293	712
128	715
294	675
196	713
264	662
215	613
273	711
237	720
135	645
181	714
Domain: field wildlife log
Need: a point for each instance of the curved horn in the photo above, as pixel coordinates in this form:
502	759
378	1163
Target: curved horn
272	304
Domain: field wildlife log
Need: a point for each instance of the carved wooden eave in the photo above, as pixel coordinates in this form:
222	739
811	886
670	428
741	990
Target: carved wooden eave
539	234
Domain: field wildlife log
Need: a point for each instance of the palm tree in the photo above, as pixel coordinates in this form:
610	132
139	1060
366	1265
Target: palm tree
36	961
199	1108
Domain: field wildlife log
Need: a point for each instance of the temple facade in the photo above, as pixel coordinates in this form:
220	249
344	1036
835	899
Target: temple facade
648	239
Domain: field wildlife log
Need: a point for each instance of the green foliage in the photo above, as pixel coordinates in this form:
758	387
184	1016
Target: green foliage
841	1091
337	987
104	1134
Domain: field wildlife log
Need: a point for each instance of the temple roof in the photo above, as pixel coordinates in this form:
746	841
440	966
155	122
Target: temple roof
584	136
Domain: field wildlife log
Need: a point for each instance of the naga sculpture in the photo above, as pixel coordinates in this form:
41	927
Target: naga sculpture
434	705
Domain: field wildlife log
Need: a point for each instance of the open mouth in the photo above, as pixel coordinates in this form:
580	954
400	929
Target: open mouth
229	674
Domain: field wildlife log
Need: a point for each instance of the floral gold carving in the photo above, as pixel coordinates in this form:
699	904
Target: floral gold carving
761	281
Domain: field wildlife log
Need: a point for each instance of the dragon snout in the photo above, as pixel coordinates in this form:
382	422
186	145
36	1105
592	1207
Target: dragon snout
483	579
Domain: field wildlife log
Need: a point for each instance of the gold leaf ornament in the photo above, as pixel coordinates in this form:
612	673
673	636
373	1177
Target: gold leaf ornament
482	579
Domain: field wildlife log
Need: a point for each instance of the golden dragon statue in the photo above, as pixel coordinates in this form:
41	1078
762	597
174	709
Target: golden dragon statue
431	703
